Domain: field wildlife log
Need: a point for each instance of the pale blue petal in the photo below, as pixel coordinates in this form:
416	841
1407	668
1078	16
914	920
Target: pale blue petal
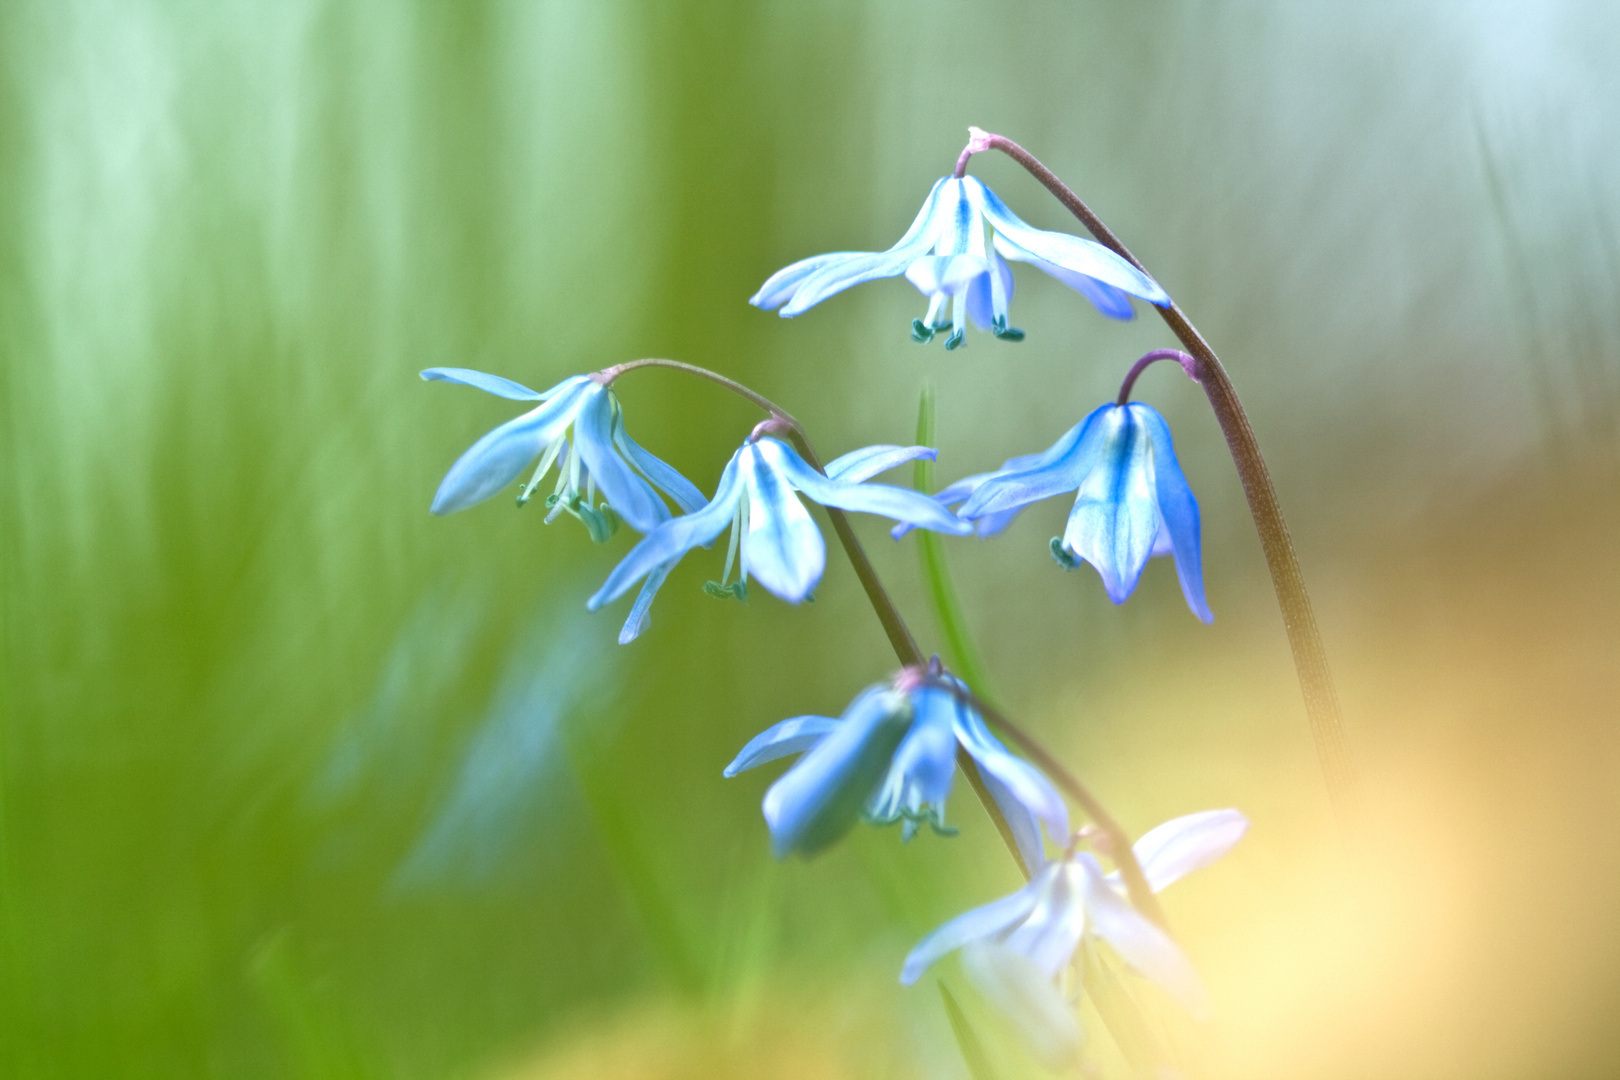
1178	509
1115	517
1112	302
669	541
626	492
1138	942
493	384
993	918
663	476
1053	929
1059	470
779	740
836	275
948	274
847	273
1184	844
858	466
1070	252
495	461
924	764
1024	781
985	306
781	545
780	286
1026	831
1028	998
897	503
815	802
640	616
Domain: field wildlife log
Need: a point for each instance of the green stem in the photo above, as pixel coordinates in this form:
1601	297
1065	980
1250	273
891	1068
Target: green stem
1304	638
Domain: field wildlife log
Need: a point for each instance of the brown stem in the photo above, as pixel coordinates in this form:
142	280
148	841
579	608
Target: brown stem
1304	638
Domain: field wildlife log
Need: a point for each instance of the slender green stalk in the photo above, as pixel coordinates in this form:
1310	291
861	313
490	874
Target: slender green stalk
967	1040
1304	638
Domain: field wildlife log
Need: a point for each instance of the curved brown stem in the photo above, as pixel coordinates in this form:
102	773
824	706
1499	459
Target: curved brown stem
1304	638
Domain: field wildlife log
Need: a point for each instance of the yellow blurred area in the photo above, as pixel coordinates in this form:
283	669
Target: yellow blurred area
1464	928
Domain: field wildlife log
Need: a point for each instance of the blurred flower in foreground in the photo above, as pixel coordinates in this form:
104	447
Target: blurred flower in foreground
1132	501
892	756
963	272
603	456
1020	949
772	534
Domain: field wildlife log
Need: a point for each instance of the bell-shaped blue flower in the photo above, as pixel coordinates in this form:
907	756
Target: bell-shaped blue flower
892	757
1070	902
1132	500
602	457
773	537
946	256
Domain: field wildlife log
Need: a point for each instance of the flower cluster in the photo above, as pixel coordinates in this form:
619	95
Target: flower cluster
893	754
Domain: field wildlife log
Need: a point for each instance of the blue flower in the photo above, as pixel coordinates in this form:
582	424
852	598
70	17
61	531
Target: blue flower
945	255
602	457
892	757
772	534
1031	937
1132	501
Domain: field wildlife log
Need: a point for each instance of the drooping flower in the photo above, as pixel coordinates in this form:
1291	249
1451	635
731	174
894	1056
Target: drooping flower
602	456
892	757
773	536
1071	902
1132	500
945	255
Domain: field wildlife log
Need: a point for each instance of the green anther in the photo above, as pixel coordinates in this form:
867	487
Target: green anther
1061	556
592	519
957	339
1005	332
551	500
921	333
810	598
735	591
611	516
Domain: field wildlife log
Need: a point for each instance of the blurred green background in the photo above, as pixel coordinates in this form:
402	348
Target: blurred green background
299	781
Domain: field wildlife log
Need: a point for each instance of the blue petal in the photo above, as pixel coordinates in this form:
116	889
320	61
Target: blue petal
1054	927
1024	781
1178	508
669	541
853	268
1026	831
1028	998
1060	469
781	545
779	740
816	801
629	494
924	764
982	922
1070	252
493	384
861	465
1112	302
1184	844
639	615
897	503
985	306
1138	942
663	476
948	274
494	461
780	286
1115	517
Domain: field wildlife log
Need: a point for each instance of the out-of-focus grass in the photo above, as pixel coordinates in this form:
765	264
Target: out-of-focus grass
297	780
